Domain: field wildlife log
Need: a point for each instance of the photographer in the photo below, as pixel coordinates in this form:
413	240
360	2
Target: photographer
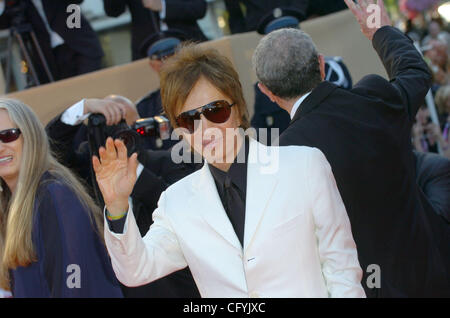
156	171
68	51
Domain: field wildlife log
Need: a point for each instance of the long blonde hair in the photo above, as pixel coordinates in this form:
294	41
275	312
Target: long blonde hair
16	210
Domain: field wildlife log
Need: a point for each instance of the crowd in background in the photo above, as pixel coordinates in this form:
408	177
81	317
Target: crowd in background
434	41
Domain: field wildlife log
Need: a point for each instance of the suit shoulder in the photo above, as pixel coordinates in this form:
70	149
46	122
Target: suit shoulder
374	84
293	157
296	150
182	185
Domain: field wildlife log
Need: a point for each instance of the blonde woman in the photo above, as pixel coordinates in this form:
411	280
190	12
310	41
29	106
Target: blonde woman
49	241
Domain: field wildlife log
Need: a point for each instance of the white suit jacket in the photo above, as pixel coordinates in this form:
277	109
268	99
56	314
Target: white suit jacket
297	236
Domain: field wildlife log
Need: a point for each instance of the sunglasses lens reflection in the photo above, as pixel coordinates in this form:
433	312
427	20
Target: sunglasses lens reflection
216	112
9	135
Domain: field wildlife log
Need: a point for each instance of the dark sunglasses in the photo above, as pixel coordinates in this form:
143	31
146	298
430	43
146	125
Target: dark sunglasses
217	112
9	135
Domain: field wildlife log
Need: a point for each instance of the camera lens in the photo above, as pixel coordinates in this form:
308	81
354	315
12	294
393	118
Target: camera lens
130	139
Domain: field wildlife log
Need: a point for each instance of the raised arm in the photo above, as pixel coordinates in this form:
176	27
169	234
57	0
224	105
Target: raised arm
136	260
407	71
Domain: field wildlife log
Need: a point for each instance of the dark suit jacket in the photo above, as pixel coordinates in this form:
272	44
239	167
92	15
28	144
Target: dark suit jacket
180	14
365	135
433	177
255	11
159	172
83	40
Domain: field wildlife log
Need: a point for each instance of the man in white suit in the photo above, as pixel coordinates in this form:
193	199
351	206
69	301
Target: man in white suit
244	230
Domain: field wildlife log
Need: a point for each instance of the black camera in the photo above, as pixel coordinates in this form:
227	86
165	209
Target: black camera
153	127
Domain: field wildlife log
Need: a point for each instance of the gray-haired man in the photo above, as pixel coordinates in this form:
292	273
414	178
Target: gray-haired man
365	135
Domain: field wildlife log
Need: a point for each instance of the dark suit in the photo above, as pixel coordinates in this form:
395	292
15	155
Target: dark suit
255	11
433	177
159	172
365	135
81	51
181	15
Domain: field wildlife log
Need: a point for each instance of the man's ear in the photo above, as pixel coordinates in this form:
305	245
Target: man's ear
322	66
263	88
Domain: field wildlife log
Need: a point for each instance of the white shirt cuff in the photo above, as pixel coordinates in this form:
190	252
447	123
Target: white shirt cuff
74	114
2	7
139	169
162	13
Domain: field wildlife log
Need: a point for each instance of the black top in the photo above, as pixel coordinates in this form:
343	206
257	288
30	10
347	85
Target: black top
71	260
232	190
365	134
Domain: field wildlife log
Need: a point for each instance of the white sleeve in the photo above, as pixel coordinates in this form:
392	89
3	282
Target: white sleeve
74	114
162	13
2	7
140	260
337	249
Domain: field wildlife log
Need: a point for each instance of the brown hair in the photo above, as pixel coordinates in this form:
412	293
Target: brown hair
182	71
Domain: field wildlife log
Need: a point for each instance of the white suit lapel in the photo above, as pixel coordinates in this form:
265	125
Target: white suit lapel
210	206
260	188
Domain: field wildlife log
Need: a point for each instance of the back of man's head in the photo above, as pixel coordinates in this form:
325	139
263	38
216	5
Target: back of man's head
286	61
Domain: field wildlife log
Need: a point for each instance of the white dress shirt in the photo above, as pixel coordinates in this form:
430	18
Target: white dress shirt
297	104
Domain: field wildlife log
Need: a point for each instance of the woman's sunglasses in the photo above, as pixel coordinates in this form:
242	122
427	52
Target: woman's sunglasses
9	135
217	112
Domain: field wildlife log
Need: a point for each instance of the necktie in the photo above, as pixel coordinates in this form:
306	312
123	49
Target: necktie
235	208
